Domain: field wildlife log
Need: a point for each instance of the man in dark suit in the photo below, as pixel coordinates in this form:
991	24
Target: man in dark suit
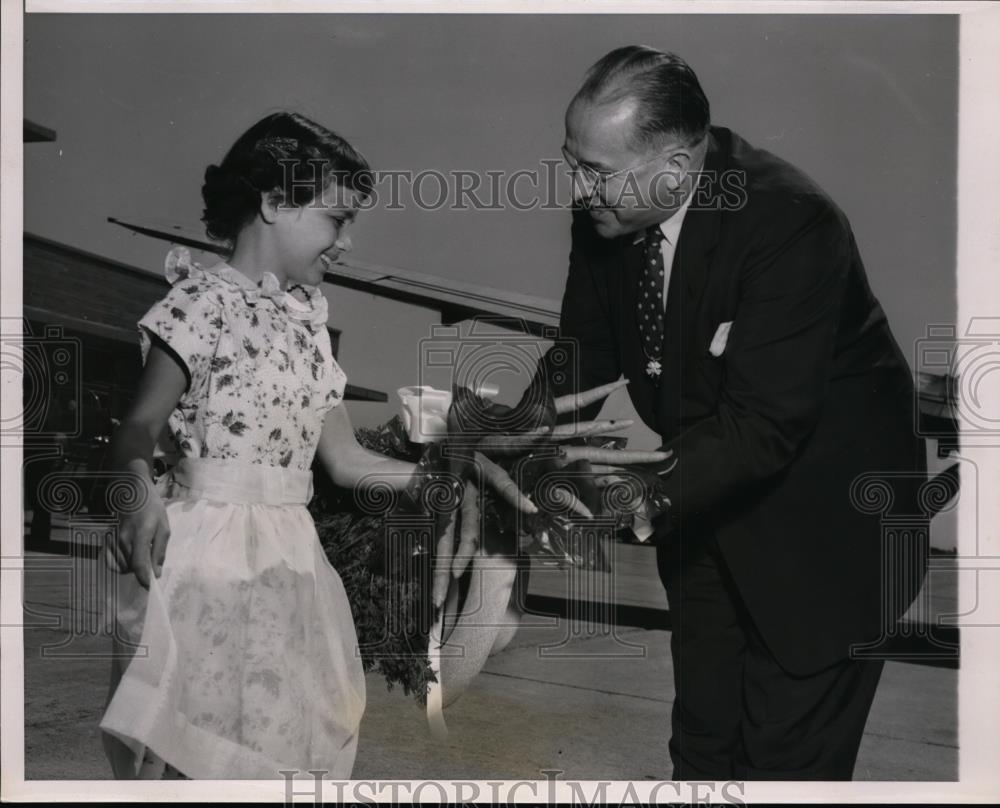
774	378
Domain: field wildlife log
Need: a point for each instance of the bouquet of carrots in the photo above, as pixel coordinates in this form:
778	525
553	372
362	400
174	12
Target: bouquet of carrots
503	479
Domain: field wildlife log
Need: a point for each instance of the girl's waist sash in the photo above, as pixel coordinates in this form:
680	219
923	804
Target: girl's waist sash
239	483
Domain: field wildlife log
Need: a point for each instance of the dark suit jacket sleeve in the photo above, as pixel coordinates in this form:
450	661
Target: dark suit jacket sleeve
586	354
777	361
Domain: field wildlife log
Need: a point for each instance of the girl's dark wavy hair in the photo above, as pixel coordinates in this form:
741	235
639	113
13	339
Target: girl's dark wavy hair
286	154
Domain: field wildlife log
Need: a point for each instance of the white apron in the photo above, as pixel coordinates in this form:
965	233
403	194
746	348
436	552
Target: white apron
245	660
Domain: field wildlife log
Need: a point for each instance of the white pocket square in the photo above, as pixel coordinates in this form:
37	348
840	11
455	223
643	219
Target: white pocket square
719	340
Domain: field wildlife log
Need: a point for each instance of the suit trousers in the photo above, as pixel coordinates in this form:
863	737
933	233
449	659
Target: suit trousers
737	715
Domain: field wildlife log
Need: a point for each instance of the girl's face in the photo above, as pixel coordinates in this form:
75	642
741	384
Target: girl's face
316	234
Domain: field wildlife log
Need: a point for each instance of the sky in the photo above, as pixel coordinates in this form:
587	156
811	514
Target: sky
865	104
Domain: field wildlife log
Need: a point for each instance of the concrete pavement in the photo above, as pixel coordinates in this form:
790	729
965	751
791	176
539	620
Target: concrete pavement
590	700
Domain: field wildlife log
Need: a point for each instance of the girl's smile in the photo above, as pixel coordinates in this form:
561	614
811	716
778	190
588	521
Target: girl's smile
316	235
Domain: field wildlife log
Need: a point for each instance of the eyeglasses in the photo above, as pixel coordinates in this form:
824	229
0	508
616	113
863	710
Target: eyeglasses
598	178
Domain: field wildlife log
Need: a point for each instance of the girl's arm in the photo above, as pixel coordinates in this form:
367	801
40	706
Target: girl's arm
352	466
349	464
143	534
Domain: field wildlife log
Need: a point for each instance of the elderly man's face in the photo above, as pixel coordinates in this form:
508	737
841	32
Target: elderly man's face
624	190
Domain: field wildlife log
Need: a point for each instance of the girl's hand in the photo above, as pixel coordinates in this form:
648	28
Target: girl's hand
141	544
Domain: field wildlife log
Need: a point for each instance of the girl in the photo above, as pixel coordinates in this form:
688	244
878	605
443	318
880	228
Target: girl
236	632
235	652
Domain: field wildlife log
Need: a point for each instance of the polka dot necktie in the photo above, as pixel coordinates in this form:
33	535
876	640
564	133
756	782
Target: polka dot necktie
650	308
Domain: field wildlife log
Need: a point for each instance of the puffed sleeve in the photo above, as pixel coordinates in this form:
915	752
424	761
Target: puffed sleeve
188	323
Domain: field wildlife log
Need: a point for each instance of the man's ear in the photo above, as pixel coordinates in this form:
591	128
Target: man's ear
269	202
680	163
677	170
687	159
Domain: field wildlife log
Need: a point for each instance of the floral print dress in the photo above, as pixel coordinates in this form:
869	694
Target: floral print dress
240	661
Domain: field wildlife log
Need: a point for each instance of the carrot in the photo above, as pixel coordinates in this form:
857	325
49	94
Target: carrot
442	559
504	485
595	455
587	428
506	444
469	532
579	400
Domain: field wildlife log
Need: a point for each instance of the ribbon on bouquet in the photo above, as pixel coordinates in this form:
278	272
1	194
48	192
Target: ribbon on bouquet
425	411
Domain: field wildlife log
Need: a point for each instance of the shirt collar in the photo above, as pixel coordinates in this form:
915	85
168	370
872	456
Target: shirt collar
671	228
311	305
